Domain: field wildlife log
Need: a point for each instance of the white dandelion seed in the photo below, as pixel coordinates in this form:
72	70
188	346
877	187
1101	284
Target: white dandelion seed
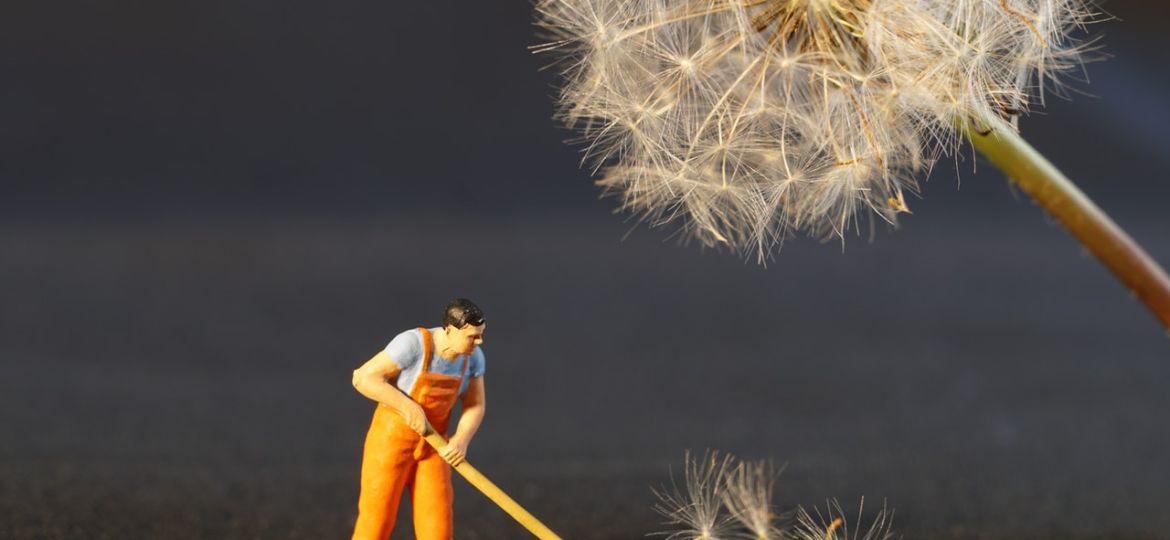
746	120
748	497
695	507
833	524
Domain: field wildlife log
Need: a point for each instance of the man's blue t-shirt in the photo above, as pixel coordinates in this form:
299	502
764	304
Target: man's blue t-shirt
406	349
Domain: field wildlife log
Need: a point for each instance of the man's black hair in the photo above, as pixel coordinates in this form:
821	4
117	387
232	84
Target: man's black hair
462	311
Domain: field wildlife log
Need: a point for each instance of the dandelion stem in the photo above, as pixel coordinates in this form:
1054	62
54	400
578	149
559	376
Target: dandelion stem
997	140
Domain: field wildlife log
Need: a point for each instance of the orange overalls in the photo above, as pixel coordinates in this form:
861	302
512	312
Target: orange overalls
396	457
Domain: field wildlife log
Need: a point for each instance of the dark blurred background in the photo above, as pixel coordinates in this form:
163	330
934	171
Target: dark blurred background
211	212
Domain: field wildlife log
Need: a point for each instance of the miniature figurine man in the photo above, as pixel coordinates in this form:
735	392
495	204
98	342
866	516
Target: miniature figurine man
415	380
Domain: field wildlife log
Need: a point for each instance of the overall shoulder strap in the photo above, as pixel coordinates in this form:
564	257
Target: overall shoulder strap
428	348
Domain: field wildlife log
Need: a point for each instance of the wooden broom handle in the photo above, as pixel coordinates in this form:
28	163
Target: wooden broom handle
493	492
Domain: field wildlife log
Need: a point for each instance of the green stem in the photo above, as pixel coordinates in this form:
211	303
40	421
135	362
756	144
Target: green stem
1088	223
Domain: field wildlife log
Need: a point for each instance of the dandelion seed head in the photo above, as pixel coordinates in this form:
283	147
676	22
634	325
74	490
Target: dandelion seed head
744	121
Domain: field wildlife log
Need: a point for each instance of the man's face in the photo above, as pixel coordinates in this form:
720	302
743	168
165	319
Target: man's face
465	340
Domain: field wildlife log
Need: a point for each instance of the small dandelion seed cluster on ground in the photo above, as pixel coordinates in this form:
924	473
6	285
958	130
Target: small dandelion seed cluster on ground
746	120
721	499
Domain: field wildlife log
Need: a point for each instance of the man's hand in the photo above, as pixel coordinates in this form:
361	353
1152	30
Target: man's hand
455	451
412	413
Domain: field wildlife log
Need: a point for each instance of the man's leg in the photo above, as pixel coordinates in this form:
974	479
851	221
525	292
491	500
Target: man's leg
431	498
385	469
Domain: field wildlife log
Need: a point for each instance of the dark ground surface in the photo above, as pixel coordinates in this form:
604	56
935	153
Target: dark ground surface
166	379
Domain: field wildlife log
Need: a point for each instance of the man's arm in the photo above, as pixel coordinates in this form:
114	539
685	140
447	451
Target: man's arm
375	380
474	407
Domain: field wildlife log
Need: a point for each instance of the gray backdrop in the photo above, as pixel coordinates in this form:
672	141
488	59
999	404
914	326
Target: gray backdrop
211	212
